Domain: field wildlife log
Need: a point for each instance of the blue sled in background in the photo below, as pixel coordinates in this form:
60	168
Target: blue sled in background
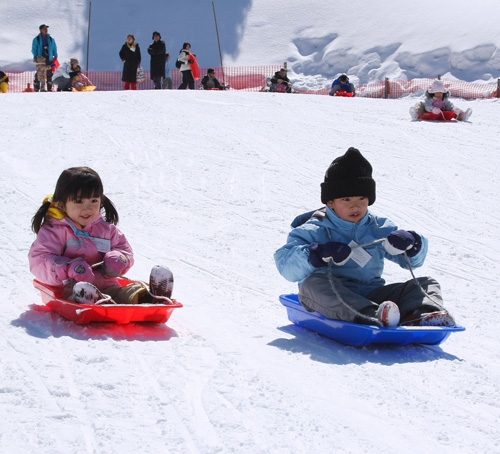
358	335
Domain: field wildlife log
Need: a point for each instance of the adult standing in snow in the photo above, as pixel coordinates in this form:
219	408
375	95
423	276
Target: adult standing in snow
130	54
437	105
44	50
342	87
157	50
337	255
185	68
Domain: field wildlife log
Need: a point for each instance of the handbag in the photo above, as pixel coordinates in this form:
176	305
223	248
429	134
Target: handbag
140	75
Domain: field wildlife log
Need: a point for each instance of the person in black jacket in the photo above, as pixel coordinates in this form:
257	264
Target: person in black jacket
210	82
130	54
280	82
157	50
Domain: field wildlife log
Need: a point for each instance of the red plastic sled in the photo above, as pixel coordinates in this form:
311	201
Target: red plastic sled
344	93
83	314
195	69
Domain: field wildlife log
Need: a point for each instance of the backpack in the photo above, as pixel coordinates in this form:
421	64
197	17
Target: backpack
178	64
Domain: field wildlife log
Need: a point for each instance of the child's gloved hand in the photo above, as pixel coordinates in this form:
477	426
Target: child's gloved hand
80	271
115	264
436	111
333	251
401	241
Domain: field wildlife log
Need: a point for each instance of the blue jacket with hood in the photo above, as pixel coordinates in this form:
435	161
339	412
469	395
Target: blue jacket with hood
292	259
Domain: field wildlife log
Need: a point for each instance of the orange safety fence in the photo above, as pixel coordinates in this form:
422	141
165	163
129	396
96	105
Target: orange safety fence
253	78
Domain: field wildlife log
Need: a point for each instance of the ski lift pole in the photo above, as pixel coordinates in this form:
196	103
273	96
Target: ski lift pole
218	43
88	38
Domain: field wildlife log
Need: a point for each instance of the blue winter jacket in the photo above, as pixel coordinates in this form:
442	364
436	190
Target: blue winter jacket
292	259
346	86
37	47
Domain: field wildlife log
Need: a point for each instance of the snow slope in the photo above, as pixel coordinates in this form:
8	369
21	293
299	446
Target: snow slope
320	39
207	183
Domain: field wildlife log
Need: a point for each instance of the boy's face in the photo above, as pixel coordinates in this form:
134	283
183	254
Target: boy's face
350	209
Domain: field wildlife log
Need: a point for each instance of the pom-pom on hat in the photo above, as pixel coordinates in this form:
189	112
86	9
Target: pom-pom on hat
437	87
349	175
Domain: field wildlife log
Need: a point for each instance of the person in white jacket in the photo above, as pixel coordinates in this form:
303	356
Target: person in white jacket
64	73
185	69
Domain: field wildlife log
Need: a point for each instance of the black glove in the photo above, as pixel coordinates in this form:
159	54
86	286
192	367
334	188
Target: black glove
190	61
321	254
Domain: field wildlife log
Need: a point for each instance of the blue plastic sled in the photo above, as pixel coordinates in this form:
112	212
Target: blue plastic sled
360	335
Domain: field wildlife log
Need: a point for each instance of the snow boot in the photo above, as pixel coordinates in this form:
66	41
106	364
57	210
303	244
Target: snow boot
464	116
161	284
414	114
431	318
437	318
388	314
87	293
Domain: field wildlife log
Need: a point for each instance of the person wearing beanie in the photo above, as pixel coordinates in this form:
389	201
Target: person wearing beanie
437	106
157	50
337	253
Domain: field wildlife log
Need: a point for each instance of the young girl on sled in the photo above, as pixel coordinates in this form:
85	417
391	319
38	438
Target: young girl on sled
437	106
79	249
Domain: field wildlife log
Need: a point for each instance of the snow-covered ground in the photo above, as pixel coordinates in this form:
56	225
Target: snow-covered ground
208	183
319	39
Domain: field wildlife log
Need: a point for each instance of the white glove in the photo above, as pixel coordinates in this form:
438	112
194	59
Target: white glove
436	111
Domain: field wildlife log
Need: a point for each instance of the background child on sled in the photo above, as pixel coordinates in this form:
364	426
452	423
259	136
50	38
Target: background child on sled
210	82
437	106
342	87
337	255
69	75
79	80
79	249
280	82
4	82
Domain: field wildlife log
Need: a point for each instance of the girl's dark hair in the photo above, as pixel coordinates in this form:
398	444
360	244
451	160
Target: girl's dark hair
186	44
73	184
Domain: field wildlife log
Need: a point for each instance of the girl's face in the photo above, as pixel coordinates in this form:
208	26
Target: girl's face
350	209
130	39
82	211
438	95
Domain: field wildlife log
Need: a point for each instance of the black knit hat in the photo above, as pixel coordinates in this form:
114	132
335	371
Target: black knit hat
349	175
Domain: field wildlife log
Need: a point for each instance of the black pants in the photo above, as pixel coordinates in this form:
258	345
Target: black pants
187	80
157	81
